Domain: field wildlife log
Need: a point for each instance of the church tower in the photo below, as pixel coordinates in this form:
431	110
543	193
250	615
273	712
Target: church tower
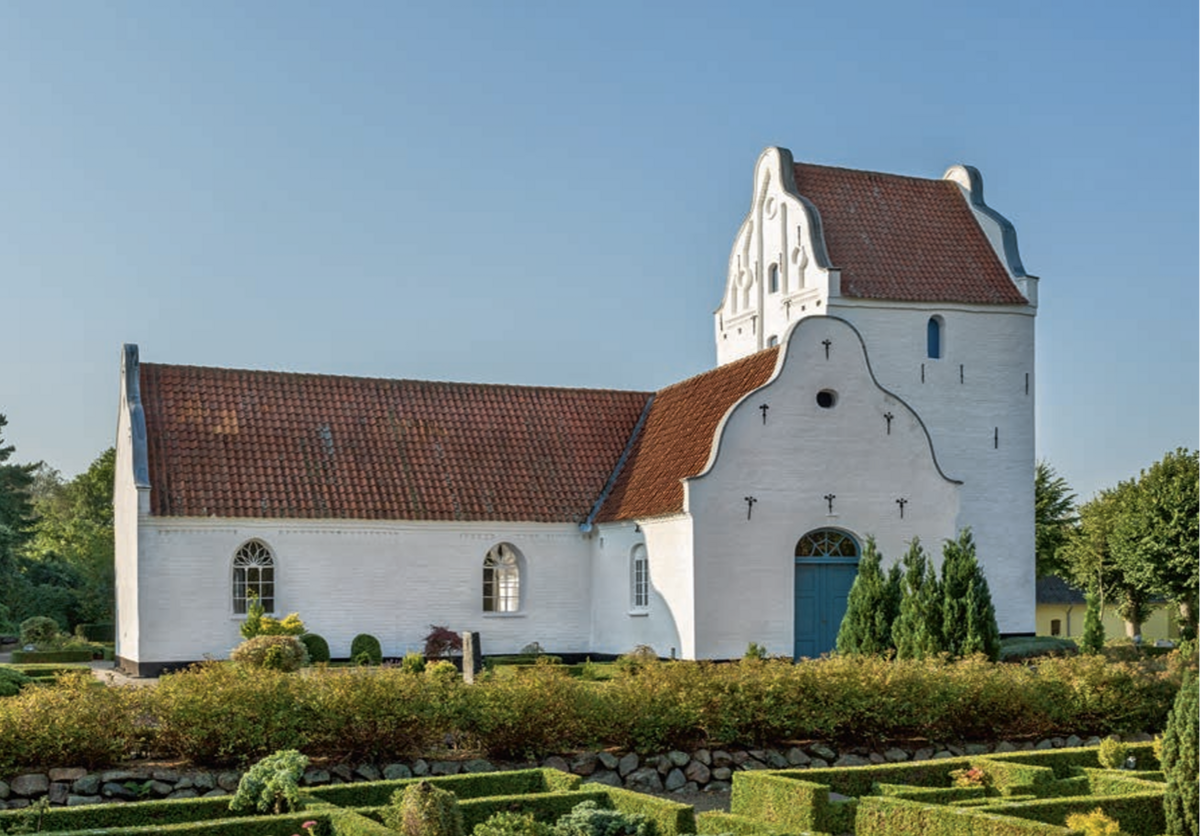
931	278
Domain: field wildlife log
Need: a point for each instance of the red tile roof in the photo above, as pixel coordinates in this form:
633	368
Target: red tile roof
904	238
234	443
678	436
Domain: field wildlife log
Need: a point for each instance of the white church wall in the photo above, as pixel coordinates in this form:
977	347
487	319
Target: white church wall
665	623
745	566
978	402
392	580
125	535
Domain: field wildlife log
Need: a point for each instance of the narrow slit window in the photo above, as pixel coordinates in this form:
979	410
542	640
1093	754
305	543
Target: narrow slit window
933	337
773	278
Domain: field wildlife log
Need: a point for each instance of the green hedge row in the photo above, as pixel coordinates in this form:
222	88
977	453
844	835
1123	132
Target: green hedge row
21	657
716	822
1139	814
219	713
515	782
879	816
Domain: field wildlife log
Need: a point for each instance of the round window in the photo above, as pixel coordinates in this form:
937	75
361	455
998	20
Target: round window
826	398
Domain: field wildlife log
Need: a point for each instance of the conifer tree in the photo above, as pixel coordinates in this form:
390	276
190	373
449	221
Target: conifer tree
1092	640
867	626
916	632
983	634
1179	756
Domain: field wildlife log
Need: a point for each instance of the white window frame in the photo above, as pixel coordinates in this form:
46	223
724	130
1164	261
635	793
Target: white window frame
503	566
254	571
639	579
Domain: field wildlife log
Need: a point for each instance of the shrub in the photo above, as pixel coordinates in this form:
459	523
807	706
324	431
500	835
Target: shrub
39	631
917	631
366	650
317	647
641	656
276	653
258	623
512	824
1094	823
870	609
1113	753
1092	640
421	809
413	663
968	617
104	631
1179	760
755	652
442	641
588	819
272	785
12	681
443	671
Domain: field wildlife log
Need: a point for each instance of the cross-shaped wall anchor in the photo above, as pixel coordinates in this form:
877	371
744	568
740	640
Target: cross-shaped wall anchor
901	502
750	505
829	498
764	407
827	342
887	416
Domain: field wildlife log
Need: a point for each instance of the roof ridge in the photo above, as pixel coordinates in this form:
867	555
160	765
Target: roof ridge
373	379
724	368
889	174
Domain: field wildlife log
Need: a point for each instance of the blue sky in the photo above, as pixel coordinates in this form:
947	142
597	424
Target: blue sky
546	192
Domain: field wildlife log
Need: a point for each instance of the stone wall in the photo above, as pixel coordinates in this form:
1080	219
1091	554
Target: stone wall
703	770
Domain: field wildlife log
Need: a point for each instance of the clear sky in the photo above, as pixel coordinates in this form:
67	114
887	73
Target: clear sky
546	192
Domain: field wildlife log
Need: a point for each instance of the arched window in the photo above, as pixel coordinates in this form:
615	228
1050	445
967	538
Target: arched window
639	578
933	337
773	278
772	341
253	574
827	542
501	579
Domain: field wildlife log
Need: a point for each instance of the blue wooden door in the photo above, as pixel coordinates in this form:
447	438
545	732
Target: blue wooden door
826	565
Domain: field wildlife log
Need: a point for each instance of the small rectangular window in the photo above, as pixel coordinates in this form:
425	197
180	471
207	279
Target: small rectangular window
1055	627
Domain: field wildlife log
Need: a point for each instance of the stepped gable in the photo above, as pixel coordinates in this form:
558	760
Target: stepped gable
236	443
677	438
905	239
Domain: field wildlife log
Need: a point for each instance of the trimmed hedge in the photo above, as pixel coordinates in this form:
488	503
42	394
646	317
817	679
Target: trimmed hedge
780	799
670	817
545	806
1140	814
317	647
879	816
368	645
933	795
20	657
244	826
476	785
716	822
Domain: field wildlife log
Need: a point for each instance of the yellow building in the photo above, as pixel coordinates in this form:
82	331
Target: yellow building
1061	609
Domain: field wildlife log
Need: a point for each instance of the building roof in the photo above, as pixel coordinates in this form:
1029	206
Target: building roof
235	443
1054	590
904	238
678	436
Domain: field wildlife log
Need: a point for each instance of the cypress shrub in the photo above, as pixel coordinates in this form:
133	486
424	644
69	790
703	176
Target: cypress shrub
1179	755
867	626
318	648
968	616
1092	640
917	630
366	650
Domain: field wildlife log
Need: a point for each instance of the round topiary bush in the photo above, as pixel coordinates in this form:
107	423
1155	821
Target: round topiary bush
39	630
278	653
366	650
317	647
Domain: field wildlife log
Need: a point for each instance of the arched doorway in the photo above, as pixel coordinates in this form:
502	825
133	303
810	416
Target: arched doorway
826	565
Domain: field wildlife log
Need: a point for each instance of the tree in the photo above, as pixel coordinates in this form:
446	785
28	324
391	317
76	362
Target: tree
1179	756
1092	640
917	630
867	625
1156	537
71	542
1054	517
16	514
968	617
1090	557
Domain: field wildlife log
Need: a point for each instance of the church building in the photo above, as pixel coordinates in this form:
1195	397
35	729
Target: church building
874	378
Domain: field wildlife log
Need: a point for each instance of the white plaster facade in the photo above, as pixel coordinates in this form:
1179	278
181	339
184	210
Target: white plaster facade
951	436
